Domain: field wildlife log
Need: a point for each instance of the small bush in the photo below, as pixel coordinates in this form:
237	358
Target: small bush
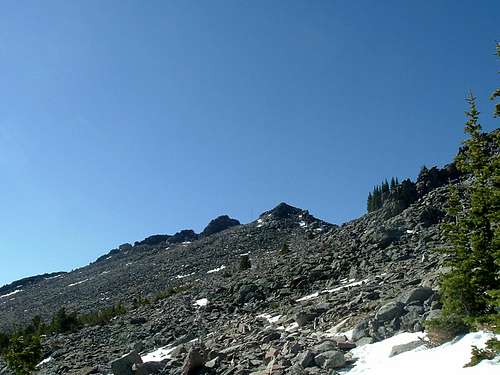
140	301
445	328
170	292
245	262
490	352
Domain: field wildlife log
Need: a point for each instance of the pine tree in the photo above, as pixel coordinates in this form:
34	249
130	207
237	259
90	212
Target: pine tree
469	289
496	94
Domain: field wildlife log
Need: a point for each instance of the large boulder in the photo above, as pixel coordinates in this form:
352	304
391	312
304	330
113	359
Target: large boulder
149	368
418	295
389	311
360	330
305	359
194	362
398	349
123	365
330	360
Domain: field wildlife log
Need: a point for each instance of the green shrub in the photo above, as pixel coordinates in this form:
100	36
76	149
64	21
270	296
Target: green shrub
140	301
445	328
245	262
23	354
170	292
103	316
490	352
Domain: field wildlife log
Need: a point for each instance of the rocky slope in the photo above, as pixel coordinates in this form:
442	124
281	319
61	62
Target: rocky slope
376	275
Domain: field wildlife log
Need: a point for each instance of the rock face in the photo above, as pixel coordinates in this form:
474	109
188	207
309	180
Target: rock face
188	300
219	224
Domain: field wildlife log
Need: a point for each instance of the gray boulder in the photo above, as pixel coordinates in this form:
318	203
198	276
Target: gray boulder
389	311
330	360
419	295
148	368
360	330
305	359
398	349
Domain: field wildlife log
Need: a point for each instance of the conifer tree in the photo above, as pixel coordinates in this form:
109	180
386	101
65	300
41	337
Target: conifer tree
471	286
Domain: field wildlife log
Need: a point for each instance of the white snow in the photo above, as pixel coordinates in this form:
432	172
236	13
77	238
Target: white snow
46	360
158	355
217	269
186	275
186	242
79	282
302	224
410	231
308	297
446	359
351	283
105	272
201	302
11	293
53	277
316	294
269	317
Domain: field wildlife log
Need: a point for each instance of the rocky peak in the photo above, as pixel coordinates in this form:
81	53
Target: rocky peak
282	211
219	224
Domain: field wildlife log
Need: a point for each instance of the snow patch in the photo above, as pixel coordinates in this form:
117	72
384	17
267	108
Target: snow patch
11	293
448	358
350	284
53	277
269	317
217	269
201	302
46	360
79	282
158	355
183	276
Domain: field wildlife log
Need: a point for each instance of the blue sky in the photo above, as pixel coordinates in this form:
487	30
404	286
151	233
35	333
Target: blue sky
121	119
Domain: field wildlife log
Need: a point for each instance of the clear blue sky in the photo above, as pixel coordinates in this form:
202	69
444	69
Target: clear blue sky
121	119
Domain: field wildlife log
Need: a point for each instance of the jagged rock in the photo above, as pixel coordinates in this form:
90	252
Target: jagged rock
305	359
325	346
398	349
219	224
330	360
415	295
123	365
304	317
193	362
148	368
360	330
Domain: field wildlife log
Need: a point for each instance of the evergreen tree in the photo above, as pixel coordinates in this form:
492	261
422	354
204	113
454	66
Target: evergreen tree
496	94
470	288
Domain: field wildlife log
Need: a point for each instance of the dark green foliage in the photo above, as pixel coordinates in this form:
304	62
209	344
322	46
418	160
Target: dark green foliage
496	94
23	354
403	193
4	342
22	350
490	352
245	262
170	292
63	322
140	301
469	289
103	316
